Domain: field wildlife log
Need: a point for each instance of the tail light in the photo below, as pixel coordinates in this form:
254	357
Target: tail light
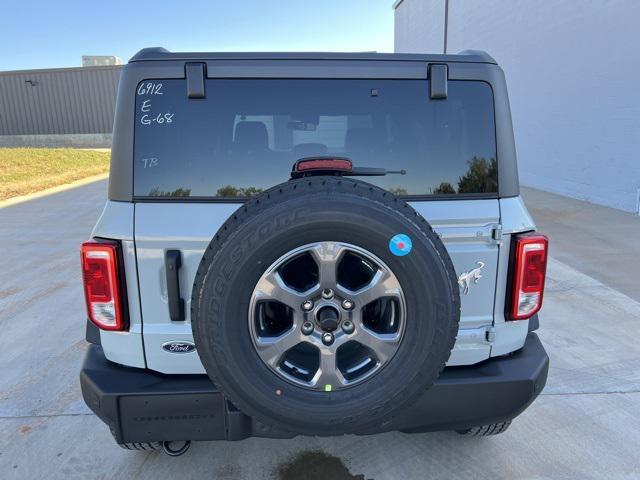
320	164
528	274
102	286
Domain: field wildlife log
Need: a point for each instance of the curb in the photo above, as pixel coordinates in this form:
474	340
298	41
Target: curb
49	191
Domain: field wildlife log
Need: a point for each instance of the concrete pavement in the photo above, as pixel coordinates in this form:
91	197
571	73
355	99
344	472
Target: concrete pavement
600	241
586	424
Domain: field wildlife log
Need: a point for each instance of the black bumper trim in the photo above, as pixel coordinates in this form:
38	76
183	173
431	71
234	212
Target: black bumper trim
140	405
92	333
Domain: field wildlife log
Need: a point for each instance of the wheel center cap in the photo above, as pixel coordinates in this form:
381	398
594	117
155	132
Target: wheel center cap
328	319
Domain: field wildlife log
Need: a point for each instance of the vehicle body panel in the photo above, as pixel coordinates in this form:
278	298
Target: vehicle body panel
365	66
509	335
123	376
117	222
465	226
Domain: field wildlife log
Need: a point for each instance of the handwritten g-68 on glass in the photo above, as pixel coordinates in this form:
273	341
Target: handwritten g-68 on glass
150	117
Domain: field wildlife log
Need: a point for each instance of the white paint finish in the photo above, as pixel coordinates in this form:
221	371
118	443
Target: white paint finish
458	212
126	347
164	226
116	222
465	227
471	347
509	335
572	71
515	216
167	362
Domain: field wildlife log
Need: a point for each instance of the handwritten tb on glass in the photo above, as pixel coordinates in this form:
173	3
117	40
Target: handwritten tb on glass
151	89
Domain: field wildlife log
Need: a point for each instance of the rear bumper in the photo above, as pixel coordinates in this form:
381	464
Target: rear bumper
140	405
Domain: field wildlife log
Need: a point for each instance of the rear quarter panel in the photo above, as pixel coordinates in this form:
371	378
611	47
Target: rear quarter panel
126	348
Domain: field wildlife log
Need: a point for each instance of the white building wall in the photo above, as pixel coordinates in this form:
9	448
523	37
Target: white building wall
419	26
573	70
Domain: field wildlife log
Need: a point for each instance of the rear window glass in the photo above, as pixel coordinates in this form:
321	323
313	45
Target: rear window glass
246	134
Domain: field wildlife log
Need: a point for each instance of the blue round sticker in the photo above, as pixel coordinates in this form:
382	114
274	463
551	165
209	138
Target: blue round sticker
400	245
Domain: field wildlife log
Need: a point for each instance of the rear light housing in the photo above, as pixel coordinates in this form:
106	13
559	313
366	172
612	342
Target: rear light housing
321	164
103	284
528	271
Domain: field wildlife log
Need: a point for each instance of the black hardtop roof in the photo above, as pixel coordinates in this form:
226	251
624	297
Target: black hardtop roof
162	54
158	63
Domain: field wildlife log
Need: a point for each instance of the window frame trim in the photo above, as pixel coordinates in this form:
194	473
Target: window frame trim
406	198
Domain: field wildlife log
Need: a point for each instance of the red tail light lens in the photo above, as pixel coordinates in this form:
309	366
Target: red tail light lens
309	164
102	290
530	264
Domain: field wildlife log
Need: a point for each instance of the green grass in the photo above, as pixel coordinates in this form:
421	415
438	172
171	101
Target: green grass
28	170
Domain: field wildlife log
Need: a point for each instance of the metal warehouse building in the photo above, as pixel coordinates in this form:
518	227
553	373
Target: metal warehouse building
572	69
58	107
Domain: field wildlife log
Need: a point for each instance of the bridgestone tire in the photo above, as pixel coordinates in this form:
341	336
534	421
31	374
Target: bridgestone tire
286	217
485	430
142	446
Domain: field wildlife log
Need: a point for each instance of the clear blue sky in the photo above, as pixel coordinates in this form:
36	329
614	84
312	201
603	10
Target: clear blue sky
48	34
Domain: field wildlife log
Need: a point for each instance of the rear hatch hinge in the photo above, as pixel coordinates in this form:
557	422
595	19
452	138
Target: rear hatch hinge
496	233
196	73
438	78
490	334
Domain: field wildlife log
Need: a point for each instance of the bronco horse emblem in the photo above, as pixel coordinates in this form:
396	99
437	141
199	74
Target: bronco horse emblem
465	278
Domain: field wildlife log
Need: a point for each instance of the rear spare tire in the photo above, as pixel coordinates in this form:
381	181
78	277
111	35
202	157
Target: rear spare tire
325	306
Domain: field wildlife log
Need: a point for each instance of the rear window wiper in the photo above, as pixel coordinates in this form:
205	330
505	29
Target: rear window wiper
329	165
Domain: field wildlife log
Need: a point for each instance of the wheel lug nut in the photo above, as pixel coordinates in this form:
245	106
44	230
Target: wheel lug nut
327	293
307	305
307	328
347	304
347	327
327	338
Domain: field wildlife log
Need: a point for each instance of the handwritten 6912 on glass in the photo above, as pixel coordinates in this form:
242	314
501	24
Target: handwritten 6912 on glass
149	117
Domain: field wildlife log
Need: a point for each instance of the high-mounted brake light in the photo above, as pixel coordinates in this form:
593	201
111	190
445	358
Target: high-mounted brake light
102	289
340	164
309	166
530	266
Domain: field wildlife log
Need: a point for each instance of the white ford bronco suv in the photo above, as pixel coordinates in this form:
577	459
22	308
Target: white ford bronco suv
311	244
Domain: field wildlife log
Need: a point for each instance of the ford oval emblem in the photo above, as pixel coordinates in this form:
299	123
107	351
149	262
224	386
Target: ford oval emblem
179	347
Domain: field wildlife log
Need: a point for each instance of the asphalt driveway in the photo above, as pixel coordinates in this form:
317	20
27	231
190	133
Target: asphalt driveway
586	423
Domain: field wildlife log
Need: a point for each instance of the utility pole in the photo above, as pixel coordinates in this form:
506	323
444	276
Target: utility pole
446	23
